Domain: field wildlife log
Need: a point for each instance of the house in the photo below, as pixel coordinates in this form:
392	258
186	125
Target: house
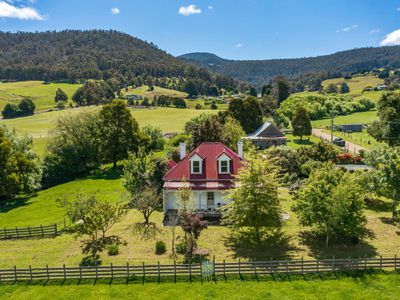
381	87
266	136
209	171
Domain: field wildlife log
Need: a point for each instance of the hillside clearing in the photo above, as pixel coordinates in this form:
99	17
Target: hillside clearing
41	93
356	84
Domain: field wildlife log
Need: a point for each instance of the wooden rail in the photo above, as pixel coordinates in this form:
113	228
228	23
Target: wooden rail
210	270
28	232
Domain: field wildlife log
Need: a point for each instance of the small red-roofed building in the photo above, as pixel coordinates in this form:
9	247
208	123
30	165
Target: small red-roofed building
209	170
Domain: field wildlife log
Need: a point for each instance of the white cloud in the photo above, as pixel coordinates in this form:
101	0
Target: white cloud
239	45
189	10
115	11
374	31
346	29
391	39
398	9
210	7
23	13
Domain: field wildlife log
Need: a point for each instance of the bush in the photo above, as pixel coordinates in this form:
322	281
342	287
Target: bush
161	248
113	250
181	247
214	105
91	261
11	111
198	106
60	104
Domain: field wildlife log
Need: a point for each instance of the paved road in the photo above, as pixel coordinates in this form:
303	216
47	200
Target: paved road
353	148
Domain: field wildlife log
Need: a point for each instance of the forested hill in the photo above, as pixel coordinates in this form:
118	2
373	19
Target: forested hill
261	71
94	54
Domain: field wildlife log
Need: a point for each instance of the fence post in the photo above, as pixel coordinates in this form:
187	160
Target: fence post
302	265
55	230
29	231
127	272
395	262
380	262
95	269
349	263
318	266
190	273
224	271
201	270
333	263
80	272
5	233
41	228
65	273
112	272
47	272
30	273
174	270
15	273
240	271
16	230
287	266
144	273
214	277
159	275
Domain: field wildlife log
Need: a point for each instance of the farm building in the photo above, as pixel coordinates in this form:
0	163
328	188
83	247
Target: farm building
209	171
267	135
351	127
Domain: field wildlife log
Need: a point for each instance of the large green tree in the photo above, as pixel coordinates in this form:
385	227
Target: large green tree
255	201
248	112
119	132
387	127
331	201
301	123
20	169
60	95
281	89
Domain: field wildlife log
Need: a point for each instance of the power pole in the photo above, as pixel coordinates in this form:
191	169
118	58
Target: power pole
332	117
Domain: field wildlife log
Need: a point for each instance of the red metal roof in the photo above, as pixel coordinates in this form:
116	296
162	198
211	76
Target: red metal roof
209	152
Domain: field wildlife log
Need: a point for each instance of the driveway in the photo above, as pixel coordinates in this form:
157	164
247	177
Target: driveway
353	148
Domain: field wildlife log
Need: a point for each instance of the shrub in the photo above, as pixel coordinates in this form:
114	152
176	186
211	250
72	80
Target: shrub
60	104
11	111
181	247
91	261
214	105
161	248
113	250
198	106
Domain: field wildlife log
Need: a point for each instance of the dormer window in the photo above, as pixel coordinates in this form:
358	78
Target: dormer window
224	164
196	165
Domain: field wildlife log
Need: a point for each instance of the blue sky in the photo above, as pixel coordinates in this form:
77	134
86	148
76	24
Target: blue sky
235	29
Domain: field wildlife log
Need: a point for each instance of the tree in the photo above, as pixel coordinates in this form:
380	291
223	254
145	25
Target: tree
248	112
255	202
60	95
331	202
344	88
204	128
146	202
387	127
119	131
301	123
20	166
281	89
74	148
93	218
332	88
26	106
266	90
156	138
386	175
232	132
11	111
192	225
252	92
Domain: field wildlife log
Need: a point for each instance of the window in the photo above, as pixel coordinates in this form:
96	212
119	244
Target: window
210	199
196	167
224	166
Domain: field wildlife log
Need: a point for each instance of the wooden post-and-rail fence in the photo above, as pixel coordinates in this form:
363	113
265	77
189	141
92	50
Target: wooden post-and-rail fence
28	232
207	270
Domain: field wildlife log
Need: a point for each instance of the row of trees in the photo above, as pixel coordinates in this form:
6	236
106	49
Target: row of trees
25	107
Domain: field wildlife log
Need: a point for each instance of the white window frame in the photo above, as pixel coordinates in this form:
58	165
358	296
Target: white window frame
224	158
198	159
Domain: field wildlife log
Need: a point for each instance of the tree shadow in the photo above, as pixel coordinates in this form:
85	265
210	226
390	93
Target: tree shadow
92	247
339	248
147	231
304	142
246	244
107	174
378	205
8	205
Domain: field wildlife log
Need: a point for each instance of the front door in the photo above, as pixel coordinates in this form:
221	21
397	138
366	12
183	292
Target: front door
210	200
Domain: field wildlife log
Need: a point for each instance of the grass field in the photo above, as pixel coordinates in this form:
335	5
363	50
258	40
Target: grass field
158	91
41	93
294	243
359	138
39	125
294	141
356	84
357	118
365	287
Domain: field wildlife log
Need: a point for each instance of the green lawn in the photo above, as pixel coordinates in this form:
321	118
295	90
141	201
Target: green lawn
41	93
295	142
357	118
363	287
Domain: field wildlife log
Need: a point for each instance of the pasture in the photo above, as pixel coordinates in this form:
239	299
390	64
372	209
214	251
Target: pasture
373	286
357	118
356	84
41	93
157	91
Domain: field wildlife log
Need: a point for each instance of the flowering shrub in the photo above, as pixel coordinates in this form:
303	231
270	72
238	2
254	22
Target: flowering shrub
348	158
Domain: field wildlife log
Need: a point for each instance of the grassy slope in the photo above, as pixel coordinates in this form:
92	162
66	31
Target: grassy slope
42	94
39	125
362	117
158	91
43	209
356	84
366	287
